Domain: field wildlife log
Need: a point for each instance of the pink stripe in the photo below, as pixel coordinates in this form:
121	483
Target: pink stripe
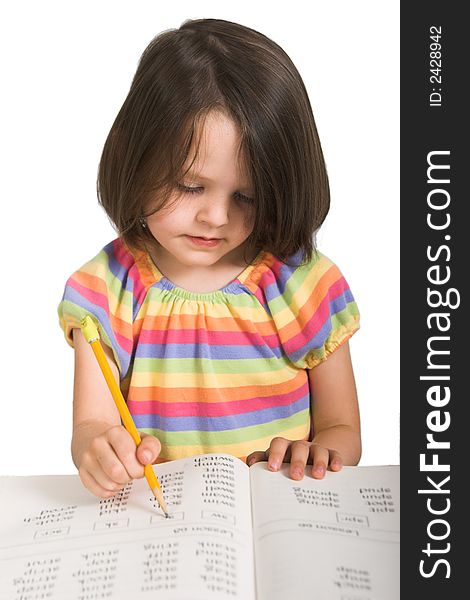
100	300
93	297
318	319
212	338
259	294
214	409
126	260
125	343
122	255
266	279
276	268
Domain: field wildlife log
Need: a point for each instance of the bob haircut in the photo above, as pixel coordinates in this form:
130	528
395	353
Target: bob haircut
184	74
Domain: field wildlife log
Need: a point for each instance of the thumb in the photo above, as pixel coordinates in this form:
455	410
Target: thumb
148	449
255	457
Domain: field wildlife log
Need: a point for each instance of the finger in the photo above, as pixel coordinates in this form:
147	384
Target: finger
148	449
276	453
110	472
93	486
125	466
255	457
300	452
320	459
336	462
101	461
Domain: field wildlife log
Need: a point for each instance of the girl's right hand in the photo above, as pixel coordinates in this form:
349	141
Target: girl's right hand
108	457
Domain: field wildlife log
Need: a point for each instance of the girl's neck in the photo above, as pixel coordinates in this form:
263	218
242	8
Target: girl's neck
199	279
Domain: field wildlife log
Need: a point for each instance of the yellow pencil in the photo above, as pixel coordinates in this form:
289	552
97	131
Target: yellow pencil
90	331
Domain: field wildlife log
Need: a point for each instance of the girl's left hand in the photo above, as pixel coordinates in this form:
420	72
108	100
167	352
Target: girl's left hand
299	453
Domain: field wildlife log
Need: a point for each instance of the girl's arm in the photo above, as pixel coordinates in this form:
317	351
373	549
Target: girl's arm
103	451
335	411
335	421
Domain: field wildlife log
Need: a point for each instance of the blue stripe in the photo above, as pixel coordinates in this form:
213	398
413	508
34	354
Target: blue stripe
86	307
320	338
340	302
313	343
278	286
287	270
224	423
123	274
117	269
207	351
235	288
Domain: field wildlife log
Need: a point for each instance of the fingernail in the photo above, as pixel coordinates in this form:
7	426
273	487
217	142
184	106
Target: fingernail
146	456
297	473
319	470
275	464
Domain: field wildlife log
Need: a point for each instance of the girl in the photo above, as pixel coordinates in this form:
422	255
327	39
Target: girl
227	329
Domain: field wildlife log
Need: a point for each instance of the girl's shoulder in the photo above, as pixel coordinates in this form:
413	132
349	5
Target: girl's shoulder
269	272
110	288
309	302
120	265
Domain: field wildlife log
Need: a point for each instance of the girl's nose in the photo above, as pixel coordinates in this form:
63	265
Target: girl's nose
214	211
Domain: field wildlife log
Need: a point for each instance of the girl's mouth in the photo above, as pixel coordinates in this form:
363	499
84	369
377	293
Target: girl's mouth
202	241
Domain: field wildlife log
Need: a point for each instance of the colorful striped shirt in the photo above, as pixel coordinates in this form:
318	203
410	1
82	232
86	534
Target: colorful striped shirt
223	371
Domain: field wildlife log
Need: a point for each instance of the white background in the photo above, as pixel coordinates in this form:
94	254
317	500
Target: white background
66	69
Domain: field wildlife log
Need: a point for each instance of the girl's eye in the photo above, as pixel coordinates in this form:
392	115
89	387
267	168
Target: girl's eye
198	190
189	190
243	198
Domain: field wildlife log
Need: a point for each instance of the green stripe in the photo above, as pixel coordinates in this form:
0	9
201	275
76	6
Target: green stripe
218	298
68	309
294	284
343	317
210	366
115	288
345	320
229	436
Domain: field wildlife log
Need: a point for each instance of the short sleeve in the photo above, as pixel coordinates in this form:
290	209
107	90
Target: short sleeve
103	289
313	309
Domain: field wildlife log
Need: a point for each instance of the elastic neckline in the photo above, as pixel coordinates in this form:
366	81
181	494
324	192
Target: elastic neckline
147	265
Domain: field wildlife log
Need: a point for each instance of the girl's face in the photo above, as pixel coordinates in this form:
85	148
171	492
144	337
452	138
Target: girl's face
210	214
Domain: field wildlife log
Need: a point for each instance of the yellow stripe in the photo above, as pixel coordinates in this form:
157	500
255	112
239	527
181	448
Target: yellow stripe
241	449
184	307
303	293
211	380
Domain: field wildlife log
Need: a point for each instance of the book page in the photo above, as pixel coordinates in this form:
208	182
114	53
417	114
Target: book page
330	539
57	541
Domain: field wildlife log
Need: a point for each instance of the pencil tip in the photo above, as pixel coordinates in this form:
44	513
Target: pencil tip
159	496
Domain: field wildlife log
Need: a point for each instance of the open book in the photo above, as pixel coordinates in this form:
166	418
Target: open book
234	533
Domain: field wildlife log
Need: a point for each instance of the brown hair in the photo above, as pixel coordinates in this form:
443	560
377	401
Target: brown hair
183	74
